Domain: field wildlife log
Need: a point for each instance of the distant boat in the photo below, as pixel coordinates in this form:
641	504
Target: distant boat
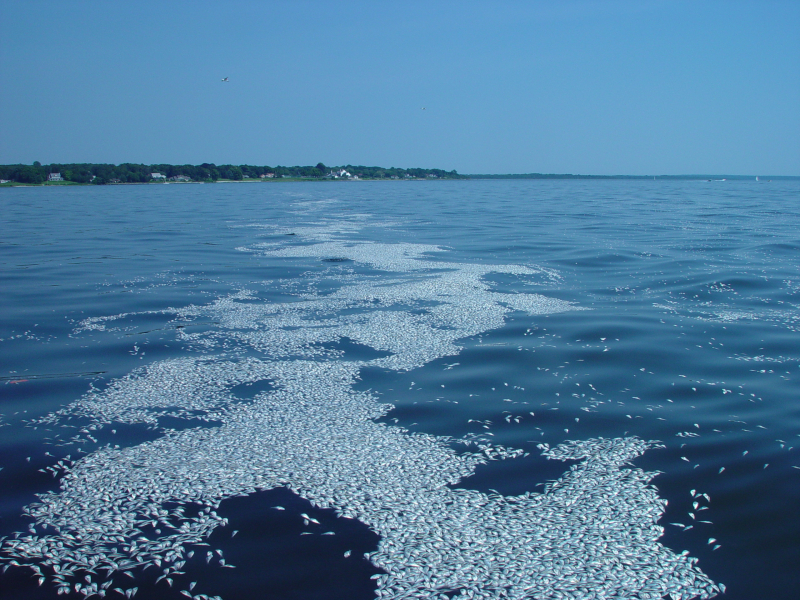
756	177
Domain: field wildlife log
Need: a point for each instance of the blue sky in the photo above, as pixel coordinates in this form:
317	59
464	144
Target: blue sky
568	86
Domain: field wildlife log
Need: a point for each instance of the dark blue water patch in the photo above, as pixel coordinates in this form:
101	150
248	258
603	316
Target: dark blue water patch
708	295
174	288
155	349
139	323
416	417
27	377
510	284
515	476
788	249
23	476
22	397
22	583
249	390
278	295
181	423
742	283
370	378
274	561
741	531
30	352
195	327
249	300
588	260
326	286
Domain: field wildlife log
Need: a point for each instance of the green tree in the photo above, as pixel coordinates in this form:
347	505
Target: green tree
231	172
30	175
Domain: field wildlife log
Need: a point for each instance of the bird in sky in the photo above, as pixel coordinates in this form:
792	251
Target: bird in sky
225	79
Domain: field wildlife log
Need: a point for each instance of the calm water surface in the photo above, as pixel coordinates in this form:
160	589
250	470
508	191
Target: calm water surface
687	333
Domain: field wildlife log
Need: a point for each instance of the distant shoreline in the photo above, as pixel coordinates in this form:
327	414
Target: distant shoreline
129	174
639	177
699	178
268	181
102	174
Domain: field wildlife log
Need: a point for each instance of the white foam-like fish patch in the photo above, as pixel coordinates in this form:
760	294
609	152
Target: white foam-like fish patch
593	533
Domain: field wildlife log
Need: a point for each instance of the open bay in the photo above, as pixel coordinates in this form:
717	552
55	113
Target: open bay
232	348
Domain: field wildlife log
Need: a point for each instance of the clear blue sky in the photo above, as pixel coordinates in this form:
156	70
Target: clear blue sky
594	87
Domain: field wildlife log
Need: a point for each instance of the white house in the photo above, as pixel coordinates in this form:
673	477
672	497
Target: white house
157	176
55	177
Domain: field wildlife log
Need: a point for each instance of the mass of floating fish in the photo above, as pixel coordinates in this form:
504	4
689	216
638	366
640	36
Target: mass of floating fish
592	533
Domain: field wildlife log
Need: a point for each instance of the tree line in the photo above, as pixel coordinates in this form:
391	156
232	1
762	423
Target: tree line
100	174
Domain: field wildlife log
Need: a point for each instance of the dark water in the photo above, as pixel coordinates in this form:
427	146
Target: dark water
690	338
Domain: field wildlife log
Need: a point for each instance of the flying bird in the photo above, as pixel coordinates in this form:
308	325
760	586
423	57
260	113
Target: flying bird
225	79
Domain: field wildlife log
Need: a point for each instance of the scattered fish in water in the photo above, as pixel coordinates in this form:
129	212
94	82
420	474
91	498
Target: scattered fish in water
314	432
